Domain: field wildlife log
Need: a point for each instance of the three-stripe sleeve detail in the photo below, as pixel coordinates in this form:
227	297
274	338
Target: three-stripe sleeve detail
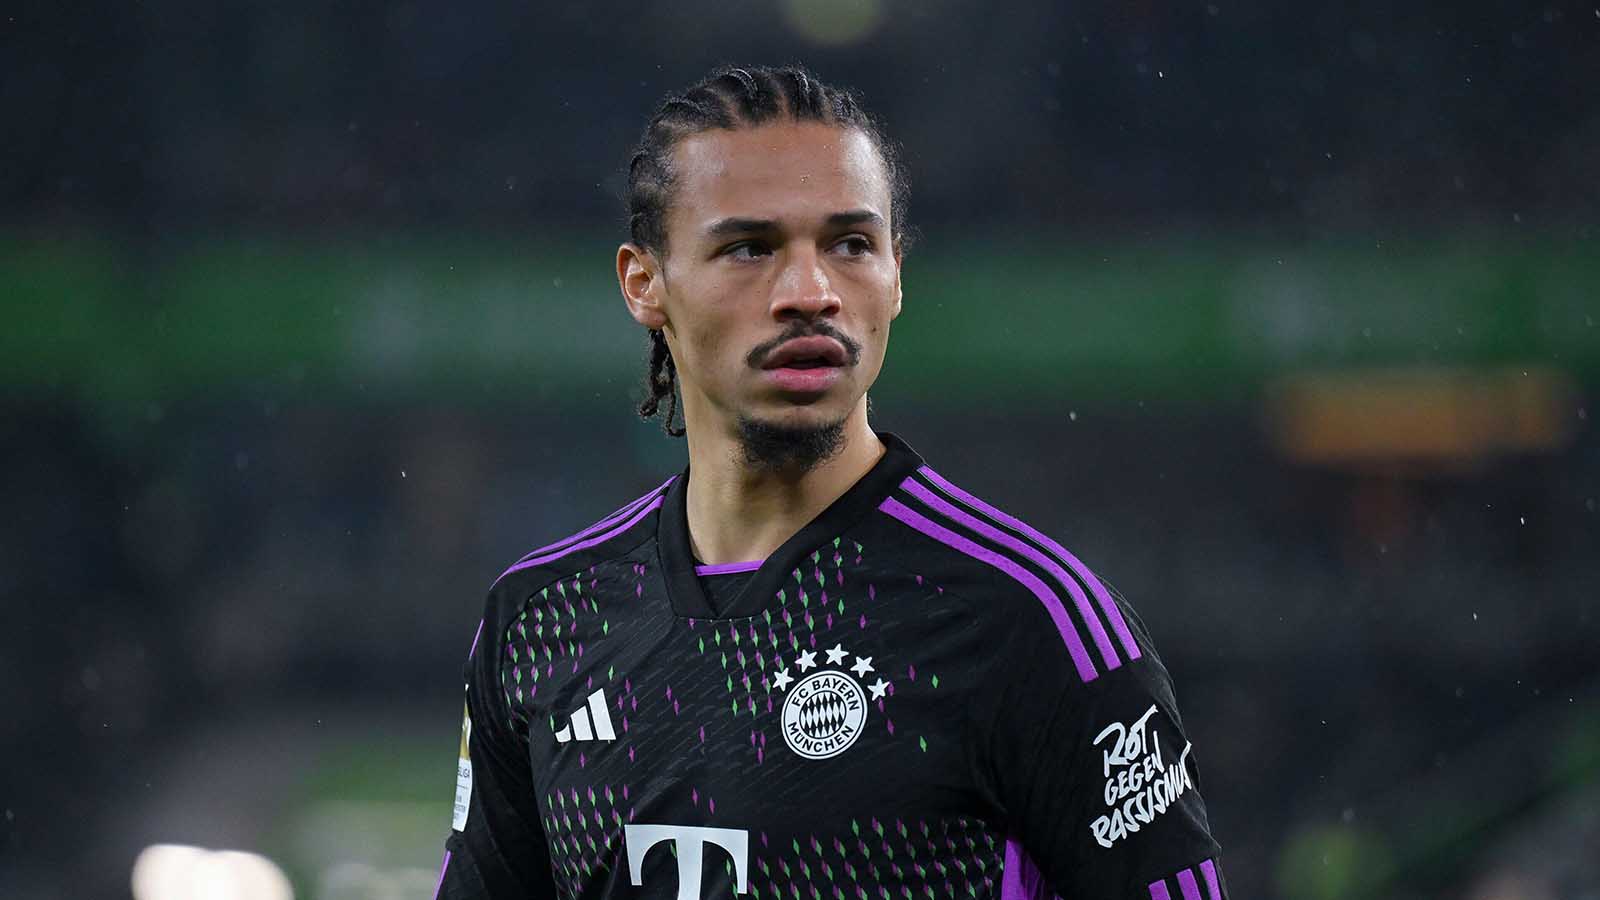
1102	596
596	534
601	525
1061	583
1062	580
1069	633
1189	885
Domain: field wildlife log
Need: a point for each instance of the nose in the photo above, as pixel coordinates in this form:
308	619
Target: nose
803	290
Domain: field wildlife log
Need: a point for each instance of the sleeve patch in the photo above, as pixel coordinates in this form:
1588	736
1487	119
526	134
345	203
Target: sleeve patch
1142	778
463	775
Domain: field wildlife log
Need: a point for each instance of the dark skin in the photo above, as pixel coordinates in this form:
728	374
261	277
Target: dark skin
774	230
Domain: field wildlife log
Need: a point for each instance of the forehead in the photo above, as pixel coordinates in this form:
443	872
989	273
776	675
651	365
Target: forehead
792	172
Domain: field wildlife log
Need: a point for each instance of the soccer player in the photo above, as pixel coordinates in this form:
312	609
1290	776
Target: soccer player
808	667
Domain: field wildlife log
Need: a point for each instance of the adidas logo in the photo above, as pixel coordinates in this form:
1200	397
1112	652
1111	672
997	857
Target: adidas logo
580	728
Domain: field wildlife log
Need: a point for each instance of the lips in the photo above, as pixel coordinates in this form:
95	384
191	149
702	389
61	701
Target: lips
807	353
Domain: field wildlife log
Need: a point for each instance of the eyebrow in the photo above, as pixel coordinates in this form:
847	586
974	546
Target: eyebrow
736	225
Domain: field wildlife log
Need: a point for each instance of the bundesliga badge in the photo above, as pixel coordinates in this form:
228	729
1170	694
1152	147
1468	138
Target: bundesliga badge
826	710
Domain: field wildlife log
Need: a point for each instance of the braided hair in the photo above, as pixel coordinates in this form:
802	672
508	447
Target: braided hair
730	98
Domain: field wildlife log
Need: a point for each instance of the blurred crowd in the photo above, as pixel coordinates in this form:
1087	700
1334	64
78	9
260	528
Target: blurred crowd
166	116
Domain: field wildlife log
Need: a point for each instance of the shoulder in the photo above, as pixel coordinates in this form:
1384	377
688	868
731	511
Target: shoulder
1028	581
610	537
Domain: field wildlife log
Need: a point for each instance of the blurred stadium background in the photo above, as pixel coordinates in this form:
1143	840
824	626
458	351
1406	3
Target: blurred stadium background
1283	317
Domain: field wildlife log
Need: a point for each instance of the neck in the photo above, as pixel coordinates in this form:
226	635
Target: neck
738	514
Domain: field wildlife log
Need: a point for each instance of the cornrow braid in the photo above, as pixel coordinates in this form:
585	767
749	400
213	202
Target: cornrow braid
729	98
662	384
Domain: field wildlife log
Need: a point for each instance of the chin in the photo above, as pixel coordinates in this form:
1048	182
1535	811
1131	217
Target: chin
796	440
821	412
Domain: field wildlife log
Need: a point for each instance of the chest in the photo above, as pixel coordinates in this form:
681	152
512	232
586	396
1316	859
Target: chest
831	732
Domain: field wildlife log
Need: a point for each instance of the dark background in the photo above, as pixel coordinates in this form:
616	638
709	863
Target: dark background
1281	317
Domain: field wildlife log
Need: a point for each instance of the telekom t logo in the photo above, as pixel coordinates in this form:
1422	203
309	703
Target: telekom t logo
690	840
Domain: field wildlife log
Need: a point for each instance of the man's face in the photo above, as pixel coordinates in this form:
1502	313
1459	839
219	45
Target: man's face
781	277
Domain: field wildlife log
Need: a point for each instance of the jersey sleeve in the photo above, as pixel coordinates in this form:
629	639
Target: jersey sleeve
497	846
1099	783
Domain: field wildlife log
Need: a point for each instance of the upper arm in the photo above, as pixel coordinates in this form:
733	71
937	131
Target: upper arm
1097	777
499	850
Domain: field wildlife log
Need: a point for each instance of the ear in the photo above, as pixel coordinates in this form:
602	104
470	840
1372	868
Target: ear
643	283
898	293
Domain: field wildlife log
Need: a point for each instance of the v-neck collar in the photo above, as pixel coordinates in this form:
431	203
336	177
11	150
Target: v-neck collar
683	585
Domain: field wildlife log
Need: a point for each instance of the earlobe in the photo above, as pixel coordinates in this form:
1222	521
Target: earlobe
639	277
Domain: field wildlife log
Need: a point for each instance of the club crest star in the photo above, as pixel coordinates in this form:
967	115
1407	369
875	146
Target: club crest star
836	655
807	660
863	666
878	688
783	679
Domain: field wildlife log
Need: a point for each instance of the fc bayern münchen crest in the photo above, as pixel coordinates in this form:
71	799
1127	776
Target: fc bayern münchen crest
825	711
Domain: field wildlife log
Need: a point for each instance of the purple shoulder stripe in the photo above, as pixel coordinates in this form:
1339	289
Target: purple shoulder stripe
475	636
1108	606
1085	611
607	522
596	540
1058	613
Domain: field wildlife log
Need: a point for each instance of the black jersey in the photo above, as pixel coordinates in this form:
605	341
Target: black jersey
917	697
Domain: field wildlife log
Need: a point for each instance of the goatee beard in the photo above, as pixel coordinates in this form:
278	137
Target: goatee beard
767	447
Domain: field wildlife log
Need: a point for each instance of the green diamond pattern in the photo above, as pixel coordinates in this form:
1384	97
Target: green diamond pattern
584	829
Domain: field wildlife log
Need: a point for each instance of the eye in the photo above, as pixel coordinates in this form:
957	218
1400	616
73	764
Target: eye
744	250
854	245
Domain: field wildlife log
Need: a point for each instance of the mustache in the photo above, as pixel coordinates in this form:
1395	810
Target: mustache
759	355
